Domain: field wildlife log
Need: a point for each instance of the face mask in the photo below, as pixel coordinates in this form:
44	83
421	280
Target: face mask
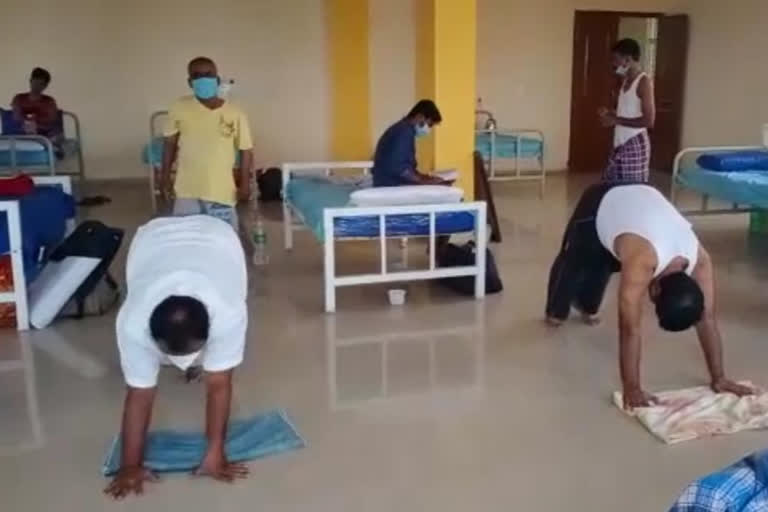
622	70
185	361
422	130
206	87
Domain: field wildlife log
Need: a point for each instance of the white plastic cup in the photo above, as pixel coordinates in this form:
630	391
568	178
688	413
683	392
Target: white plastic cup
765	135
396	297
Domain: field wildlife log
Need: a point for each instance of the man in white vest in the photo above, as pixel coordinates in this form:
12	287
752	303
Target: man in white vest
634	230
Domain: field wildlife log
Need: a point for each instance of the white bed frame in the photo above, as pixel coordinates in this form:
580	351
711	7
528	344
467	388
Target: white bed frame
705	209
19	294
293	221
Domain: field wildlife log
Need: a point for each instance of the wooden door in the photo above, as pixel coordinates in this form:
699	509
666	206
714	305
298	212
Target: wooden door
671	59
594	86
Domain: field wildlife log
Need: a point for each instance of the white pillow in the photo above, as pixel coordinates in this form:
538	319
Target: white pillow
55	285
405	195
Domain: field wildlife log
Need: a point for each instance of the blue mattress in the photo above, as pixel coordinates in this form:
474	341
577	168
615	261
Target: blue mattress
742	187
44	215
152	153
39	158
310	196
506	146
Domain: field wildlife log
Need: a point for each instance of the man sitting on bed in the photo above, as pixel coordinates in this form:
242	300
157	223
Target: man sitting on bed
187	286
634	230
395	159
37	113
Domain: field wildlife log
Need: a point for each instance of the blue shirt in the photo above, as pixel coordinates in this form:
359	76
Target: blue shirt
395	159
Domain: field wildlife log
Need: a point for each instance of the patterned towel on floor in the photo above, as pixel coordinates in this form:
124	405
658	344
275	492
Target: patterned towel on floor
693	413
170	450
741	487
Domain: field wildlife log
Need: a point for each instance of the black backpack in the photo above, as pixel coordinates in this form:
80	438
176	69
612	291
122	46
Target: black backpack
452	255
92	239
270	184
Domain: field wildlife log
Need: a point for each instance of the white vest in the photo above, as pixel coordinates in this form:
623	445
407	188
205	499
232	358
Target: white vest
641	210
630	106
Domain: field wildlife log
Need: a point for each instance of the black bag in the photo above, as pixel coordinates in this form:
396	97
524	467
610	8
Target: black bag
99	291
452	255
270	184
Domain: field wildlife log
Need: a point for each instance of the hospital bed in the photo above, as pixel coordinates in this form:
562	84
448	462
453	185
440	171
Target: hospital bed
29	222
504	150
35	154
746	191
312	202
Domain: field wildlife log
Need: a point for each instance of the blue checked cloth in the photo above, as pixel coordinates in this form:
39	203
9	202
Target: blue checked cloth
742	487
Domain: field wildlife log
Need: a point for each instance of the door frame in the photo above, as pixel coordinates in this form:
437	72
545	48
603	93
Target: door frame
617	14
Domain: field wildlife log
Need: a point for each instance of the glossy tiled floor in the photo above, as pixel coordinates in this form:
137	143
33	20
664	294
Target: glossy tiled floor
444	405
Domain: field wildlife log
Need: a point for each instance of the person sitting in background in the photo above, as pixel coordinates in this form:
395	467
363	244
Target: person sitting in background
206	130
395	159
37	113
635	113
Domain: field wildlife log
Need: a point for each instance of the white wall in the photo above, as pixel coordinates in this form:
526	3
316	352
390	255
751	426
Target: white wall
525	50
391	62
115	62
727	85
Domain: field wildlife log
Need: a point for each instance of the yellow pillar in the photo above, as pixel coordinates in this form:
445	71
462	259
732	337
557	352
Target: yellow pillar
350	133
446	42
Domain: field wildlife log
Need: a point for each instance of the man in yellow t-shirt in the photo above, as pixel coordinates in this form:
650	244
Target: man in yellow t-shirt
208	134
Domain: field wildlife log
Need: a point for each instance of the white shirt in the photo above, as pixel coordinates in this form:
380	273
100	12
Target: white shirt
642	210
629	106
197	256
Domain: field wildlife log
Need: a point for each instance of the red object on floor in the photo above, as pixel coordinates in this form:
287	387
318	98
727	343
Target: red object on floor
7	310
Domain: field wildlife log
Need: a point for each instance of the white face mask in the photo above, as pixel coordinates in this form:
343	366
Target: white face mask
622	70
185	361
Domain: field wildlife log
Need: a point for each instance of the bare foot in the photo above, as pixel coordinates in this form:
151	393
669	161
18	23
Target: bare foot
553	322
592	320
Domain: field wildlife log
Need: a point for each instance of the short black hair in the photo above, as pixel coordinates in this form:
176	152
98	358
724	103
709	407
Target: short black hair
627	48
200	60
40	74
178	324
428	109
680	303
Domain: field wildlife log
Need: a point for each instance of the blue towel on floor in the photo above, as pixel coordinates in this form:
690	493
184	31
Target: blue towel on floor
169	450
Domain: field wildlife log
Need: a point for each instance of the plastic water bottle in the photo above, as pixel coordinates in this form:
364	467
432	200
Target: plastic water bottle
260	256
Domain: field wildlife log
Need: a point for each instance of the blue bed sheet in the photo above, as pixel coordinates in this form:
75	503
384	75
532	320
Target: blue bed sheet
39	158
311	196
742	187
506	146
152	153
44	214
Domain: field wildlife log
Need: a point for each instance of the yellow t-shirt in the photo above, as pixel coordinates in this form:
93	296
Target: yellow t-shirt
208	141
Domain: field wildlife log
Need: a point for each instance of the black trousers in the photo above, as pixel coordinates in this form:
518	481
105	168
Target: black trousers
583	267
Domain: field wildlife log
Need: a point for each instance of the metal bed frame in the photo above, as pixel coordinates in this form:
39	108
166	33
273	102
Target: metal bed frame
11	208
705	209
490	127
50	168
293	221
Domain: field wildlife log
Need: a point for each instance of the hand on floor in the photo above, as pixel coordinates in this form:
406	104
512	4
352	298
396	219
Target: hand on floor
130	480
215	465
724	385
636	397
